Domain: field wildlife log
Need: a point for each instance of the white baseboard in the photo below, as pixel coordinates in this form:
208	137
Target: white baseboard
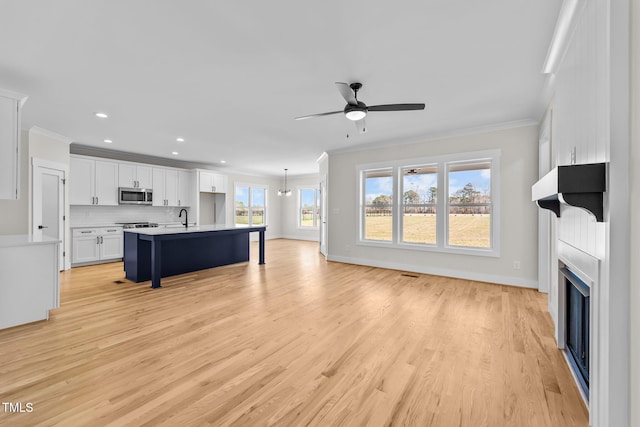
458	274
292	237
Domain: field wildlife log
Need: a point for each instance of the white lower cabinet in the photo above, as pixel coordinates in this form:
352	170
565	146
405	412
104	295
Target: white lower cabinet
92	245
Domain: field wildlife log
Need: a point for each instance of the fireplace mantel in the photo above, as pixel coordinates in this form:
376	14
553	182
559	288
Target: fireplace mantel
574	185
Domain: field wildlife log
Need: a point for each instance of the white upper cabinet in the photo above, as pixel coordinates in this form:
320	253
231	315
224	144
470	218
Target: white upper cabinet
10	104
93	182
165	187
185	188
82	173
135	176
211	182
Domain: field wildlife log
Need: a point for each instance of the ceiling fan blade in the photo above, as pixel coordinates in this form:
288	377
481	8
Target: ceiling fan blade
396	107
361	126
347	93
318	115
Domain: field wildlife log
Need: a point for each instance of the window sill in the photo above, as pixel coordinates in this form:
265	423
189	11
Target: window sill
492	253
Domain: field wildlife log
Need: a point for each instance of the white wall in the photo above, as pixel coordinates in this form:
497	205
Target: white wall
518	227
634	190
590	113
14	214
290	228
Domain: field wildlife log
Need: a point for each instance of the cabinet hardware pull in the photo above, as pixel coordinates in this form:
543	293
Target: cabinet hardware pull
97	240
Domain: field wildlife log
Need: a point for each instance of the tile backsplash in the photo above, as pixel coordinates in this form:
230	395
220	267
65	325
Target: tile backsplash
100	215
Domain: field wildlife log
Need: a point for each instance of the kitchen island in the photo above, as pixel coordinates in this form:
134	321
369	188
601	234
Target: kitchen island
153	253
29	278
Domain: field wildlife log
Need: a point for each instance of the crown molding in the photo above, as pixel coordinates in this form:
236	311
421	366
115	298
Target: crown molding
50	134
14	95
562	34
437	136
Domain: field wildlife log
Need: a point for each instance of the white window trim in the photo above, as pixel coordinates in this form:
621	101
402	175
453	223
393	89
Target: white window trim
441	205
316	206
251	186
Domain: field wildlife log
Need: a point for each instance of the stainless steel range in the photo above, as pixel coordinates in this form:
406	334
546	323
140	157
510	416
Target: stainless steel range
137	224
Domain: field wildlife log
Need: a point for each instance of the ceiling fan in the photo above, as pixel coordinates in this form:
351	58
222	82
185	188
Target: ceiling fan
357	110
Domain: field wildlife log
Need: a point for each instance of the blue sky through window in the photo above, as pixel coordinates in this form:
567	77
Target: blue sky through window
242	195
307	197
375	187
480	178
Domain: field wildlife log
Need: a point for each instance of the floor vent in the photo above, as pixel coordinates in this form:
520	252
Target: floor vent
409	275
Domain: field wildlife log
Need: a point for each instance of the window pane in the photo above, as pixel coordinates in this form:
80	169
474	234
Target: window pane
470	205
467	229
242	205
470	185
378	194
419	198
257	206
419	226
307	206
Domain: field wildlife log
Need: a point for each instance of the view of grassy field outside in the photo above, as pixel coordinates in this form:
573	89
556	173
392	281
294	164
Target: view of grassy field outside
468	204
306	218
250	202
309	204
419	228
464	229
242	217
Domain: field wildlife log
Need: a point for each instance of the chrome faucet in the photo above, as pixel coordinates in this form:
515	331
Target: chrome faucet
186	217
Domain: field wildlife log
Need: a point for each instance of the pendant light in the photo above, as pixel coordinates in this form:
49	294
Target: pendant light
286	191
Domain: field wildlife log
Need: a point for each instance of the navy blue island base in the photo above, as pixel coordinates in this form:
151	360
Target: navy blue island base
152	253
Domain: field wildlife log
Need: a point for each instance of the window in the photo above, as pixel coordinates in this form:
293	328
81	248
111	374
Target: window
469	222
308	207
378	204
250	205
419	204
445	203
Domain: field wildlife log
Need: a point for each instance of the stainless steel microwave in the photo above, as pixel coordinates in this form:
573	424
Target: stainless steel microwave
135	196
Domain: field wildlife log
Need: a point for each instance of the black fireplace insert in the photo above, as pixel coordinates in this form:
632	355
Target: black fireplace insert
577	326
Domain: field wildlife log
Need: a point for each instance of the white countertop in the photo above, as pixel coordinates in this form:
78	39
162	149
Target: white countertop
13	240
152	231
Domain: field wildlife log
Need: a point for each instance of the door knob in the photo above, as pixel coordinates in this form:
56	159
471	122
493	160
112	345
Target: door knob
40	227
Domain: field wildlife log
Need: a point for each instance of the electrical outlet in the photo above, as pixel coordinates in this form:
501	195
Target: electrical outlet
516	265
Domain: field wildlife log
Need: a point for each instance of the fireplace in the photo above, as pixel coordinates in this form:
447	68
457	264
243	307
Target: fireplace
577	314
577	326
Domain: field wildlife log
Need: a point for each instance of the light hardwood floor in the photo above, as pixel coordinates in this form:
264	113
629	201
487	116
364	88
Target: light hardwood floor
298	341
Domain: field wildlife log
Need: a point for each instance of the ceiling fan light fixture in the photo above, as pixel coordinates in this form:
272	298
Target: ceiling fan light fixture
355	112
355	115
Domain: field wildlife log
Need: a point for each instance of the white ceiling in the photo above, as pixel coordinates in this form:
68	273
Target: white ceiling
230	76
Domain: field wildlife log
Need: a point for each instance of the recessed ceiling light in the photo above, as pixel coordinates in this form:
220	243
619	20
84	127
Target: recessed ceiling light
180	139
101	115
108	141
175	153
223	161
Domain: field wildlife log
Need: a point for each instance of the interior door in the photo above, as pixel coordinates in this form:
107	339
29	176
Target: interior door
48	206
